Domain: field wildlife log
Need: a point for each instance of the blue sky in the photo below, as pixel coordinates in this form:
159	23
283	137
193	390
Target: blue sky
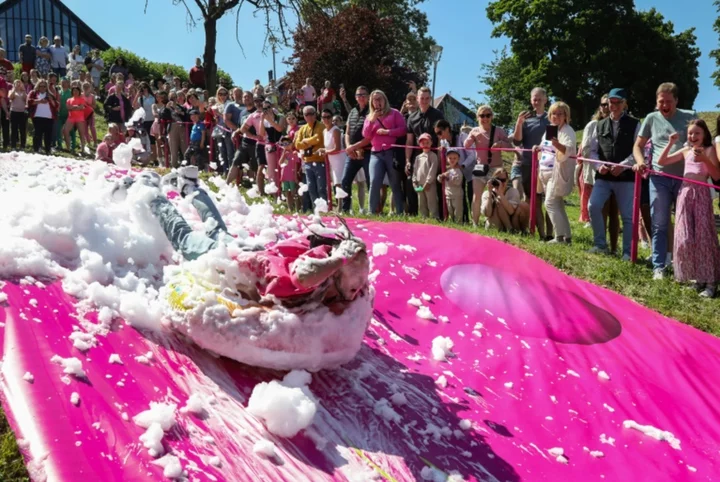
466	45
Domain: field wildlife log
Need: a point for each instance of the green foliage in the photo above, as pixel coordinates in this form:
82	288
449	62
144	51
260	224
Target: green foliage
144	69
582	49
411	43
356	49
715	54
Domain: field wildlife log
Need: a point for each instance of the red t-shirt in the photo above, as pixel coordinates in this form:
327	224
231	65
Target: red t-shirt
327	96
76	115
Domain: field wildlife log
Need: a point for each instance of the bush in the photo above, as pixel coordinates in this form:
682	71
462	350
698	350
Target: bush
144	69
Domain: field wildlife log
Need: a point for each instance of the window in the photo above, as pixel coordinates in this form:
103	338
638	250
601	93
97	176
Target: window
31	9
48	13
3	30
57	15
11	31
73	31
22	7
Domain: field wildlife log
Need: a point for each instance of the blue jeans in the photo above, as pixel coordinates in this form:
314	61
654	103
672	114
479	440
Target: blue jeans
663	193
624	193
352	167
316	180
381	163
192	244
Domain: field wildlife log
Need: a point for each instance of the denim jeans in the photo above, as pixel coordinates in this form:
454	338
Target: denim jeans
352	167
381	163
192	244
663	193
601	192
316	180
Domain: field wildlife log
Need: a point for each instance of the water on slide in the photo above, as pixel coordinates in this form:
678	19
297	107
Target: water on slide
481	362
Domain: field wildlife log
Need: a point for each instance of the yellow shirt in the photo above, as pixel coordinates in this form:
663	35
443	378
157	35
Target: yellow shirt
310	136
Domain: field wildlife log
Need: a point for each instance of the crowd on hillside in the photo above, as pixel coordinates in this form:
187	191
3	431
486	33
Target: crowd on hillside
320	145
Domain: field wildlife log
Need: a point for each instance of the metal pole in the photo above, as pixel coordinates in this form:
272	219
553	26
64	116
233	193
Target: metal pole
274	71
635	218
533	193
434	77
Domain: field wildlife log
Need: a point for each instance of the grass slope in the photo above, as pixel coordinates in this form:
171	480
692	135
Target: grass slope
633	281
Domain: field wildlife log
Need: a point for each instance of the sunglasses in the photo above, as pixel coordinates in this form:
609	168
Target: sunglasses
604	104
501	179
327	117
485	116
309	113
361	95
222	94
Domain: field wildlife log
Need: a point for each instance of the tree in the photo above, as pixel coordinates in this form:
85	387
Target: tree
352	48
273	11
715	54
411	44
582	49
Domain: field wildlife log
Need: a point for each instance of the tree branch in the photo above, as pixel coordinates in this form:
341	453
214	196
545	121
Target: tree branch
201	6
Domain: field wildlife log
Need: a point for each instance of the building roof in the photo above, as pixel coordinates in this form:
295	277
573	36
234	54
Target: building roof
447	104
88	32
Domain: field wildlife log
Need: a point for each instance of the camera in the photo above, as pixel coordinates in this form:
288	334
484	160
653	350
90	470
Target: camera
494	183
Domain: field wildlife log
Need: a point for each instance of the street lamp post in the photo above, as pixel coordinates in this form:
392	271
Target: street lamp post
436	51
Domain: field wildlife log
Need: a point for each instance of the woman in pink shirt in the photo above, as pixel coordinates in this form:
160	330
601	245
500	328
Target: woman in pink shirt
76	117
383	126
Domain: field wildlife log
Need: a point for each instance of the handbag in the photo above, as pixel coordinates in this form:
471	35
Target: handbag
481	170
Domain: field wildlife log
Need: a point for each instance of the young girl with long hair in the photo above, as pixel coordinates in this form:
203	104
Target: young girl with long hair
696	252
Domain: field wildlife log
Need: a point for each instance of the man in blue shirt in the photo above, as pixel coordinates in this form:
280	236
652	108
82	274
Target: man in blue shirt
657	127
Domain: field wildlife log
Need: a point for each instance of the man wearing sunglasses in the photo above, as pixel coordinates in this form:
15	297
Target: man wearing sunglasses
358	153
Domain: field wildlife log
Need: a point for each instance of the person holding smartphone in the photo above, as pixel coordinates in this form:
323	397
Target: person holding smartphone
529	131
557	171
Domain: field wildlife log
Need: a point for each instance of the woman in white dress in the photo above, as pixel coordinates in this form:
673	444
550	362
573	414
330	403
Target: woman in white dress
76	64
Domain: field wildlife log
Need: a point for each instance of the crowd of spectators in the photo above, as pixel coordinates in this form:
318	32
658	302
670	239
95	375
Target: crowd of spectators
306	145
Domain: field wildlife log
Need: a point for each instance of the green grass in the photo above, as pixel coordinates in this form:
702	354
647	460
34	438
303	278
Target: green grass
633	281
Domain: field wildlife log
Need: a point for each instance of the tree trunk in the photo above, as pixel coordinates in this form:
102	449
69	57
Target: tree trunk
209	56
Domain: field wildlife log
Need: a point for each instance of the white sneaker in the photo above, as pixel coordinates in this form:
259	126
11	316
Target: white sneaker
597	250
658	274
187	180
626	257
587	225
708	292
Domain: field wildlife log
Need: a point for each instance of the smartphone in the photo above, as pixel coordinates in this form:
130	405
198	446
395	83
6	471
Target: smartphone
551	132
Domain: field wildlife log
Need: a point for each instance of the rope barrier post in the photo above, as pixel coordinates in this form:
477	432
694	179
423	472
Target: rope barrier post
166	142
533	192
328	180
636	218
443	160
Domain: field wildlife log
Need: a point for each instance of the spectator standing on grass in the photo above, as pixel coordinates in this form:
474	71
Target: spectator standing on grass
332	140
424	178
197	74
58	57
177	139
270	130
118	108
557	170
357	147
5	63
248	132
42	61
327	97
612	141
717	152
454	180
697	251
98	64
222	134
585	172
308	93
119	67
657	127
76	64
483	138
42	106
18	115
450	140
308	140
382	127
90	101
529	131
422	121
27	54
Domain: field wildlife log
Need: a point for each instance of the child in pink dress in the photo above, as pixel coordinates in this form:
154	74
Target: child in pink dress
697	250
289	173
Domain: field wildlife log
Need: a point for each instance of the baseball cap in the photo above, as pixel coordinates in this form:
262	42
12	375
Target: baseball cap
194	112
453	150
617	94
424	136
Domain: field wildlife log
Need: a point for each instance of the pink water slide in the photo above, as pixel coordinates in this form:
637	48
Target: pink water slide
549	379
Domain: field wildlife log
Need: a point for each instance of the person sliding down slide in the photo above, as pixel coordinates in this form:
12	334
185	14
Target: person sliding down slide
302	303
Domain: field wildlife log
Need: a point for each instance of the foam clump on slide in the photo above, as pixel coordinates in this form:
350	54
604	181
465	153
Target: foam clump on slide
656	433
442	348
71	366
286	407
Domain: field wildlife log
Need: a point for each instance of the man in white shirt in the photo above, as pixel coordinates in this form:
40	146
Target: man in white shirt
58	57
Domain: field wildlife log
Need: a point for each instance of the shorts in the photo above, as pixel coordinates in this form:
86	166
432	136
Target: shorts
246	155
289	185
516	172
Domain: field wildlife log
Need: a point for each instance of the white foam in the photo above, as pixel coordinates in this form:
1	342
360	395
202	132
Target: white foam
442	348
285	410
656	433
